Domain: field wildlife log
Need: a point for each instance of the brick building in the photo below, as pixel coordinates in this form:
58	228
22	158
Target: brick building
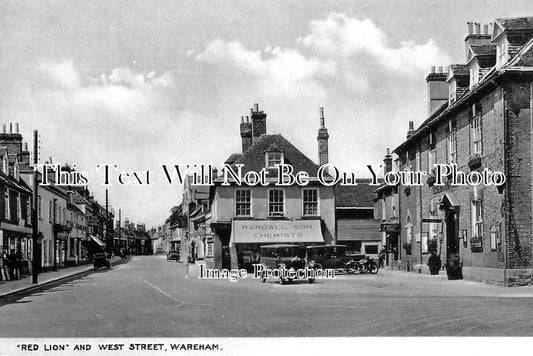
484	123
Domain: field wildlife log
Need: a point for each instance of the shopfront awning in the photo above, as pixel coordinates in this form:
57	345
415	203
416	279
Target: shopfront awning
276	231
97	240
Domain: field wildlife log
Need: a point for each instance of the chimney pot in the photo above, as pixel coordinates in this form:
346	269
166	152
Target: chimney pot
440	69
387	152
4	128
10	127
432	70
251	112
478	27
17	127
256	107
486	29
242	119
411	125
321	110
470	27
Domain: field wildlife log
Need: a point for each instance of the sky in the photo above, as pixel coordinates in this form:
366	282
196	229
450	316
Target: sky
144	83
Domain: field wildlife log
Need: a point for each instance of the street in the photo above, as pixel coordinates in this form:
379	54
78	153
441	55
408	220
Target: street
150	297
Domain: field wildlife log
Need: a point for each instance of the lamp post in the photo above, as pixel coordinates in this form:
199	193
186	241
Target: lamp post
34	217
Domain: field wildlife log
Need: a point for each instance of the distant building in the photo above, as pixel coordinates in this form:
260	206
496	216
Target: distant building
357	228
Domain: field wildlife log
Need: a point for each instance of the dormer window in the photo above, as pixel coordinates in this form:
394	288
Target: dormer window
501	51
453	89
273	159
16	170
474	74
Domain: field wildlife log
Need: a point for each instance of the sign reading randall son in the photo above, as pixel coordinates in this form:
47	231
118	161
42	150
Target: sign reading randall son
277	231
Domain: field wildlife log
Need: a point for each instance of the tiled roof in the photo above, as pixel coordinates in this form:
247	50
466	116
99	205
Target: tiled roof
254	158
361	195
484	50
233	157
517	23
460	70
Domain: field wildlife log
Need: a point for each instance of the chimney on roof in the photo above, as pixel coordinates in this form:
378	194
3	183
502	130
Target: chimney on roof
387	160
25	155
437	88
411	130
323	136
258	122
475	36
246	133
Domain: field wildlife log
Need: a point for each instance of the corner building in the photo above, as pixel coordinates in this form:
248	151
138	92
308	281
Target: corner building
485	123
245	217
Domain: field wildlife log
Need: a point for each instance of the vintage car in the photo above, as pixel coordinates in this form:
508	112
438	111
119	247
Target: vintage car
101	260
283	257
327	256
173	256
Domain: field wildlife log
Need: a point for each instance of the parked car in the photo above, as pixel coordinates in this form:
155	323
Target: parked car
283	256
173	255
100	260
328	256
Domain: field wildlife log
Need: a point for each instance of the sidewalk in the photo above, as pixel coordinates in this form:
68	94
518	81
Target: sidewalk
24	285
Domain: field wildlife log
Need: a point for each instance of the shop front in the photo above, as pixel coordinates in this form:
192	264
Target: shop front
248	235
16	248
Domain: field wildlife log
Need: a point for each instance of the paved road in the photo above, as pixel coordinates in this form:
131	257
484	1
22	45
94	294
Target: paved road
150	297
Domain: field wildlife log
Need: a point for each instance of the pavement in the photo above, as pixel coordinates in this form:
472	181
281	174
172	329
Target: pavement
151	297
23	286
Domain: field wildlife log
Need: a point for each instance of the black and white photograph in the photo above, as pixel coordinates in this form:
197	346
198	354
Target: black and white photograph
266	177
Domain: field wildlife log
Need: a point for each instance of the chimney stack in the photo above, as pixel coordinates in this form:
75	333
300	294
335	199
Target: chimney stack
411	130
475	36
323	136
258	122
246	133
437	88
387	161
16	127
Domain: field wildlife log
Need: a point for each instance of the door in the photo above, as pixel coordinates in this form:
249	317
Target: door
452	238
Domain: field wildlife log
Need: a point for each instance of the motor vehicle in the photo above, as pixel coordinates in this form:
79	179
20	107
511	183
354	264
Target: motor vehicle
100	260
284	256
328	256
173	256
367	264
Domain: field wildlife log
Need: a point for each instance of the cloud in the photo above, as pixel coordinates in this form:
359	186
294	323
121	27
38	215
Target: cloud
279	72
341	36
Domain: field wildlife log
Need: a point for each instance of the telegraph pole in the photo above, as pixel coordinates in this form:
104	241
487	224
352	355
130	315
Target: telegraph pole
34	217
109	244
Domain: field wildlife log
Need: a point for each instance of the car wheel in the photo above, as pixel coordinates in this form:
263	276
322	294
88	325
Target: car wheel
263	277
281	280
311	280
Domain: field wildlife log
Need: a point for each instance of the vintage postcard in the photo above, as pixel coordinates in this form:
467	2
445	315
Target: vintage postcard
238	177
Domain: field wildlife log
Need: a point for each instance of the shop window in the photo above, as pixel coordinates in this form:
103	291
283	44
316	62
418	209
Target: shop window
243	202
210	249
40	207
371	249
50	211
310	201
275	202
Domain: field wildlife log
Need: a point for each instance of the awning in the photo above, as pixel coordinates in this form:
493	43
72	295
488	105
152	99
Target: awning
276	231
97	240
359	230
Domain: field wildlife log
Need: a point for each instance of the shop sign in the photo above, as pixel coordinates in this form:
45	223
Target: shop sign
389	227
